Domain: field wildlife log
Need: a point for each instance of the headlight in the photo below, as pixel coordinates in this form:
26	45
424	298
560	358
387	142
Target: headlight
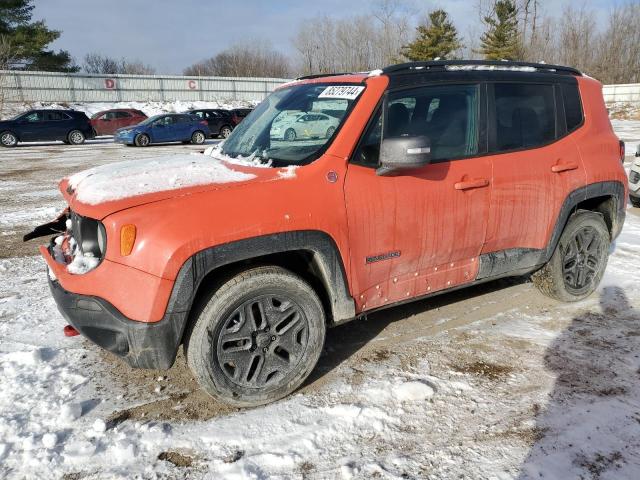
102	239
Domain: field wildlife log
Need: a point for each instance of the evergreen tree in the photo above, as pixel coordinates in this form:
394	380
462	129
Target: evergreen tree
29	40
501	41
439	38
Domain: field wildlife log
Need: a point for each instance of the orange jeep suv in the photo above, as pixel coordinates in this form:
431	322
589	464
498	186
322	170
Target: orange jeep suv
438	175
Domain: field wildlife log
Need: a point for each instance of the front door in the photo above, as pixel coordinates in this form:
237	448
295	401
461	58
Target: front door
421	230
162	129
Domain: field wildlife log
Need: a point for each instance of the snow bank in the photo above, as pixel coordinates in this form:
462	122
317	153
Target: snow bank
137	177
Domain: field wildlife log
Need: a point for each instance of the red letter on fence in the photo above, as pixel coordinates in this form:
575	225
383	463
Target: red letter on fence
192	84
109	83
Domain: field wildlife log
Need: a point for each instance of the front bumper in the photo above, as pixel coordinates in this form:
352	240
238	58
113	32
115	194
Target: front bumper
127	138
141	345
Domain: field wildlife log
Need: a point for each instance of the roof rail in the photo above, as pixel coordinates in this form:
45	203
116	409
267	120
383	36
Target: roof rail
320	75
443	64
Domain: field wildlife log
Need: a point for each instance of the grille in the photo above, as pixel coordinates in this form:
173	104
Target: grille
634	177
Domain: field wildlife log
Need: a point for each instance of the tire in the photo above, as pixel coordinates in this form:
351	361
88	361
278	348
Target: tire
635	201
225	131
76	137
8	139
290	135
198	137
257	337
142	140
578	263
330	132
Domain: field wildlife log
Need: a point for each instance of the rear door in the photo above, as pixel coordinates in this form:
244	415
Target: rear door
56	125
121	119
421	230
535	165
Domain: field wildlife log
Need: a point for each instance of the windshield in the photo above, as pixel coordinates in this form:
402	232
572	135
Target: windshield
294	124
151	119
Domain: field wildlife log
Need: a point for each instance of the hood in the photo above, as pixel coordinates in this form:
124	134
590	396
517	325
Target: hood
103	190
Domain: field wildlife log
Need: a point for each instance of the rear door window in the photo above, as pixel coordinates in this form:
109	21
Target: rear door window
525	115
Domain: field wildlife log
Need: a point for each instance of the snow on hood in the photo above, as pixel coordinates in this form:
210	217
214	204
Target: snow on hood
138	177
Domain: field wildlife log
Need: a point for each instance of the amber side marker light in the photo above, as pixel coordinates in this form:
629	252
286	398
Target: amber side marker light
127	239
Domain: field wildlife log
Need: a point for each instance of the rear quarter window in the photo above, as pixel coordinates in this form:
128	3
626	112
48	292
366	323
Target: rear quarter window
572	106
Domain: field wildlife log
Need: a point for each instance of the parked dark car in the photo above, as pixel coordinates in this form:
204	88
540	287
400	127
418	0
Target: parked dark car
165	128
221	122
69	126
108	121
238	114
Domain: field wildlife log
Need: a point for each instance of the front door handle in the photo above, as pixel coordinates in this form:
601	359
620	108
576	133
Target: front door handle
469	184
563	167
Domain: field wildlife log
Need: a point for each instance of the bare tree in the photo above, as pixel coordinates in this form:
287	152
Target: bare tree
102	64
7	56
353	44
255	59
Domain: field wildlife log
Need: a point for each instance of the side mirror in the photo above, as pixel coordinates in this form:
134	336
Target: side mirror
403	153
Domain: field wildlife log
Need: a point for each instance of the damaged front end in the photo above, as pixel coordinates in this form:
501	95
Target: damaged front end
80	243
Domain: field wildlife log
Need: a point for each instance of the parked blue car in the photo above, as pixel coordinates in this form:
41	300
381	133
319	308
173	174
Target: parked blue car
168	127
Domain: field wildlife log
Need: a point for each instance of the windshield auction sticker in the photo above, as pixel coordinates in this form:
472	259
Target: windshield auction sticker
343	91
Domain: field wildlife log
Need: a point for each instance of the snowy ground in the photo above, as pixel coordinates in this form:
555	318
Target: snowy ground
495	382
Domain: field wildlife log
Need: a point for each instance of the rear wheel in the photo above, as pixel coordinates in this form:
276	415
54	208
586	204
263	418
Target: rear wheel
330	132
141	140
257	338
75	137
225	131
8	139
290	135
578	263
635	201
198	138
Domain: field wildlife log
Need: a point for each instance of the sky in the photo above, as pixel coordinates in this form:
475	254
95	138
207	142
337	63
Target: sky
170	35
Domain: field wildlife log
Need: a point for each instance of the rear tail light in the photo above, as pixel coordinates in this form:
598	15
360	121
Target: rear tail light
621	151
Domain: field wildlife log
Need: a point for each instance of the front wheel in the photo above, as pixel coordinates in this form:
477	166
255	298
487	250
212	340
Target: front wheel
257	338
8	139
198	138
290	135
141	140
578	263
75	137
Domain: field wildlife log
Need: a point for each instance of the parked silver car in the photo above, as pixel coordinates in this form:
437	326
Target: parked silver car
304	125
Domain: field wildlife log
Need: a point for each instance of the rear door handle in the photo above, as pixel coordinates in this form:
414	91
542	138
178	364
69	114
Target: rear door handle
563	167
469	184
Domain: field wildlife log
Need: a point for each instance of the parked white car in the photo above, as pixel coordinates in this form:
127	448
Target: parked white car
304	126
634	180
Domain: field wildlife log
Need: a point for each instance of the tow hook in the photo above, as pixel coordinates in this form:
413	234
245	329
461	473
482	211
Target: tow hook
69	331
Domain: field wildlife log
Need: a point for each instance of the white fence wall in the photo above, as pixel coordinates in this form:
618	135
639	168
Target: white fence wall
624	93
21	86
